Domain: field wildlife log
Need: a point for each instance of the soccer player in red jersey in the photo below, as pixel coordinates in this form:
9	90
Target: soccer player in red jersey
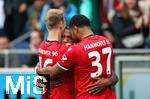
50	51
90	59
101	83
66	36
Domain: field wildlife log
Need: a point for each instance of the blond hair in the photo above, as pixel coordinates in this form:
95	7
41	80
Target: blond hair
53	18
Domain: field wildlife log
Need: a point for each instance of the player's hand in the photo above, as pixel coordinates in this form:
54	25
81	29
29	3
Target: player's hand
39	69
99	85
37	65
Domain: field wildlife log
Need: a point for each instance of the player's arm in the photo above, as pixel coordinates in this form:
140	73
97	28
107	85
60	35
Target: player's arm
67	61
36	67
102	83
53	71
114	79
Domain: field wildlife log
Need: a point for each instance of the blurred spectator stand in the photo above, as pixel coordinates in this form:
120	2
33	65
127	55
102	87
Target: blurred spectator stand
69	11
130	26
13	59
34	14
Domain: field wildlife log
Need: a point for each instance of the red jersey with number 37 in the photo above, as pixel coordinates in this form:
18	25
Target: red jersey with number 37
90	58
49	53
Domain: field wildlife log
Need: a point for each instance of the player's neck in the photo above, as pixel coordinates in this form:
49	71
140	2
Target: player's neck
54	35
86	33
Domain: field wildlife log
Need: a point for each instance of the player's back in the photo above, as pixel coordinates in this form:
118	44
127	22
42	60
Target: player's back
95	61
49	53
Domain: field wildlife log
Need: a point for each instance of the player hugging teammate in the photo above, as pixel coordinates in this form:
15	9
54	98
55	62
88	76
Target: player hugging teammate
75	71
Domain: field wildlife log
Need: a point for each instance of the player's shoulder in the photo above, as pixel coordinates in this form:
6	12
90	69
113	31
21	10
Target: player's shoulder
102	38
42	44
72	48
50	45
66	45
76	48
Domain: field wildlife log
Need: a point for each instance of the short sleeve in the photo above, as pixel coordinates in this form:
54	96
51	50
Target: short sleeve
68	59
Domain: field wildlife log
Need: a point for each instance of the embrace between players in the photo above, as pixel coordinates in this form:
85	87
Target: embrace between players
80	69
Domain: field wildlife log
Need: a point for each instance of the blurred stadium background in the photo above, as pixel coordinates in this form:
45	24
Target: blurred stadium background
124	22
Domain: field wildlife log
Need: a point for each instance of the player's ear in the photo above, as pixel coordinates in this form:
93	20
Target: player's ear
76	29
61	25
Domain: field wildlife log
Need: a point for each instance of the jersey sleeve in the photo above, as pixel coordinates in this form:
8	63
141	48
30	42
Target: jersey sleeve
68	59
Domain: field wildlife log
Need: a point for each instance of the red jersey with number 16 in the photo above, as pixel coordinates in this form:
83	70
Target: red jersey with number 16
91	58
49	53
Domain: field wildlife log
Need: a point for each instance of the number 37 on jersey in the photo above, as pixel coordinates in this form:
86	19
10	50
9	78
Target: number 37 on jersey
98	63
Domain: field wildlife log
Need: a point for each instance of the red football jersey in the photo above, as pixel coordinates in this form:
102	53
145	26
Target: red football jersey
49	53
90	58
